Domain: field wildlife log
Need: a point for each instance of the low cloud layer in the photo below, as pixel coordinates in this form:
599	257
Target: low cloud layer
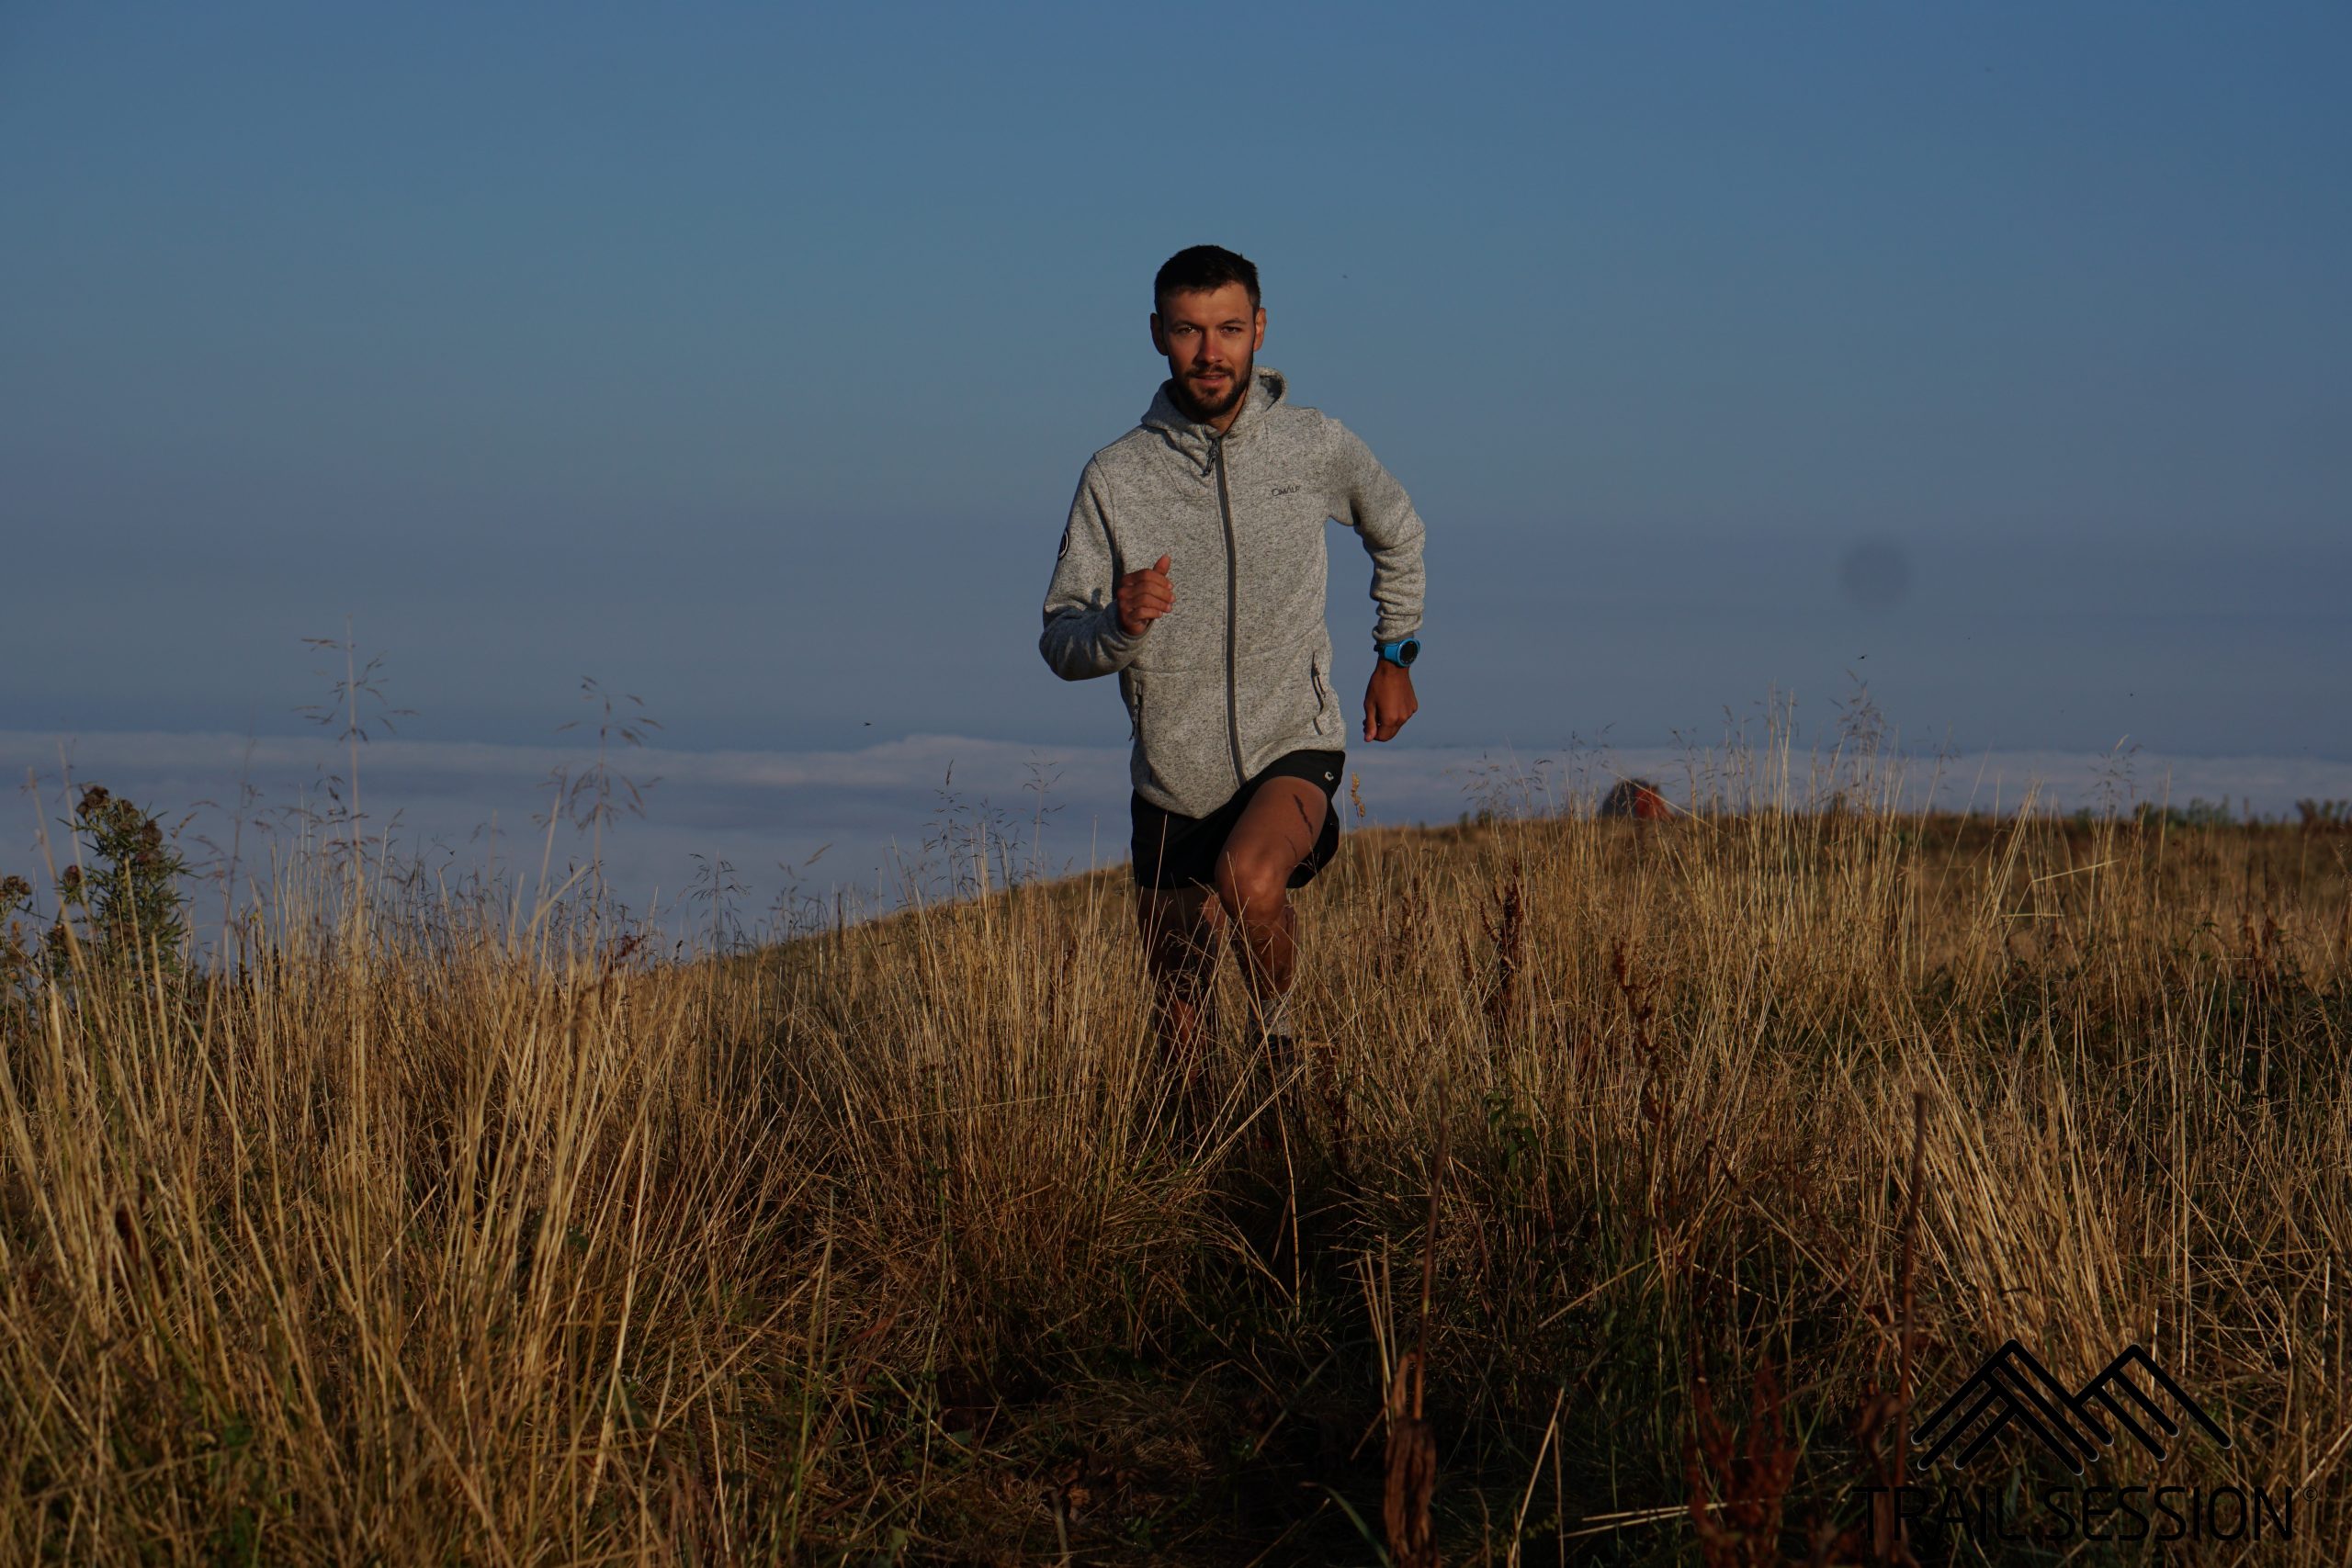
759	838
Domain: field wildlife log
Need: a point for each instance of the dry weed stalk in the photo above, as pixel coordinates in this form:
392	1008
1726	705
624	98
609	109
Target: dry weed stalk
1739	1483
1411	1467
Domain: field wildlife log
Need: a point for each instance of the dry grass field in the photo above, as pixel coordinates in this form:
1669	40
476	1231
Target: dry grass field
1673	1155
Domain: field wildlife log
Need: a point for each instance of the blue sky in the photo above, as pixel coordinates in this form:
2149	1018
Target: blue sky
744	358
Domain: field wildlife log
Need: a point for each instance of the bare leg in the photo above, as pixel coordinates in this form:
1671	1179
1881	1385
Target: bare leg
1276	831
1182	930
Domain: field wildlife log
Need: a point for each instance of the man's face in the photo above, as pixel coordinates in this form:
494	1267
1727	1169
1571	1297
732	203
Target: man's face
1211	340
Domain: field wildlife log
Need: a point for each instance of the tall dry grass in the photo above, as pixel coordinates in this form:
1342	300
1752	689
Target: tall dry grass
409	1229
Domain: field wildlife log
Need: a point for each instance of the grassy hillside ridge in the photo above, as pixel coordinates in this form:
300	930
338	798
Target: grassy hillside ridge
411	1236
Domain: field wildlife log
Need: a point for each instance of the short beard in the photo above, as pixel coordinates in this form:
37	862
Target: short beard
1200	413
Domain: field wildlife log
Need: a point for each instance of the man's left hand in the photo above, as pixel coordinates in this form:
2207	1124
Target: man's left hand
1388	701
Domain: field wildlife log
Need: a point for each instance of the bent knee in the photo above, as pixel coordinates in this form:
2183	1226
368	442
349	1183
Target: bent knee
1252	887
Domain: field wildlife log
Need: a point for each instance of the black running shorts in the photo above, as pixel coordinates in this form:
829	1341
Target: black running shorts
1173	850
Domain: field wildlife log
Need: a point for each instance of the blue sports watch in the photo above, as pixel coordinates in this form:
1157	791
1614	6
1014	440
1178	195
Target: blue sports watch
1402	652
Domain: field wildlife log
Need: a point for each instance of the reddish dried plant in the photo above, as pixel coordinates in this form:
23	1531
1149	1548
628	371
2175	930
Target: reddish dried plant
1505	929
1738	1481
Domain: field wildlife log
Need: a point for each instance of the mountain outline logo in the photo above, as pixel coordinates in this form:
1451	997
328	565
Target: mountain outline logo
2019	1390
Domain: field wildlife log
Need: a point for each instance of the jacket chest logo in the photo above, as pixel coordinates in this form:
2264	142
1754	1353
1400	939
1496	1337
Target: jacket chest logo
1283	490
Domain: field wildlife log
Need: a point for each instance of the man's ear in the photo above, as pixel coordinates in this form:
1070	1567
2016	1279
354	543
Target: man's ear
1260	341
1158	340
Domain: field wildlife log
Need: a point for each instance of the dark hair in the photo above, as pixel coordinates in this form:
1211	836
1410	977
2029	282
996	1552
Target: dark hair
1204	269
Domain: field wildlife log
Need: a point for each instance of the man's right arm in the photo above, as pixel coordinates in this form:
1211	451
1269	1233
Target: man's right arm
1082	636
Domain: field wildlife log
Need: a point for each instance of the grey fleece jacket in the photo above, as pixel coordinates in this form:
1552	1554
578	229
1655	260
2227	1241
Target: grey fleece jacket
1239	671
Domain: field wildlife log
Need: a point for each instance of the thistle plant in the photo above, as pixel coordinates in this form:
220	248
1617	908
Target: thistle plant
123	893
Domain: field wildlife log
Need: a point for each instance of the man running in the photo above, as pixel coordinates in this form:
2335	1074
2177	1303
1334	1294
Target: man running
1192	566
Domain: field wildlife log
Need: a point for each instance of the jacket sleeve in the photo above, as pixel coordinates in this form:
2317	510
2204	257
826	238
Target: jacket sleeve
1382	516
1082	636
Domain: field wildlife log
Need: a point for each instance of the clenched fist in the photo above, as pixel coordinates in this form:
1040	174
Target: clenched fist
1145	596
1388	701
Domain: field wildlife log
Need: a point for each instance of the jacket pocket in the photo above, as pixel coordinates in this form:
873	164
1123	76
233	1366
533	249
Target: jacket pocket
1183	743
1282	707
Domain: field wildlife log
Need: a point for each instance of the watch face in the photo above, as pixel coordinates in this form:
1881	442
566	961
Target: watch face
1408	650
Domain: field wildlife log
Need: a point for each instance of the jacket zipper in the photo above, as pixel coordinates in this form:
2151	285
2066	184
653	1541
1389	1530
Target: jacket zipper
1316	673
1232	595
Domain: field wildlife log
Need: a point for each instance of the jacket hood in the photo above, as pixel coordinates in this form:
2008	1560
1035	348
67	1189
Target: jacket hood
1196	440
